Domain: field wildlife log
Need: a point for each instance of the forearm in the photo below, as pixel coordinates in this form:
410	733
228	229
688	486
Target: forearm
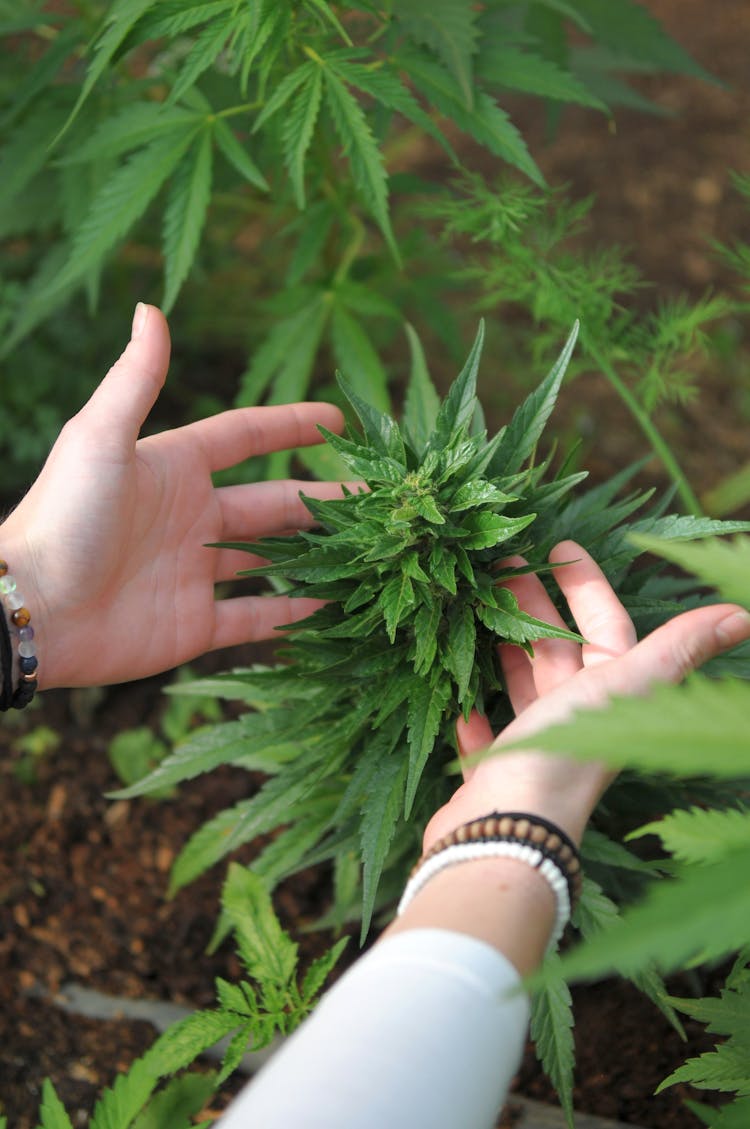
499	901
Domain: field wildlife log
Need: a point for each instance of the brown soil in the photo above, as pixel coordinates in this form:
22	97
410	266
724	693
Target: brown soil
82	880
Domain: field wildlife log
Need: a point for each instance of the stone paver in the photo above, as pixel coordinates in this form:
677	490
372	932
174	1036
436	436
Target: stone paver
536	1115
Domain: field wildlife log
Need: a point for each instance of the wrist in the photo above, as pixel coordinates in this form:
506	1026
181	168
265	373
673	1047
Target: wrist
21	572
558	789
500	901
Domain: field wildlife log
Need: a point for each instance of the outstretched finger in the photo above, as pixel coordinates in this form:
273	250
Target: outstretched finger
249	619
680	646
553	660
601	618
230	437
472	736
119	406
263	509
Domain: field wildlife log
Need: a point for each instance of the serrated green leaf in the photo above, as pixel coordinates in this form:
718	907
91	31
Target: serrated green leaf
386	87
552	1032
237	155
254	736
267	951
121	17
630	30
449	28
395	601
457	409
485	121
364	156
237	825
122	200
286	89
385	796
442	567
422	402
177	1104
298	129
185	215
128	1094
504	64
427	508
725	1069
235	1052
485	530
426	624
676	726
698	835
52	1111
206	49
525	429
326	12
460	644
424	716
287	356
380	430
357	359
319	971
646	934
181	1044
723	564
131	127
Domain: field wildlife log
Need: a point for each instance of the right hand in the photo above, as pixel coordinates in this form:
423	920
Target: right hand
564	677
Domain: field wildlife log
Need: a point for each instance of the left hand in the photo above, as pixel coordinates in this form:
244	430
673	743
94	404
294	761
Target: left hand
109	545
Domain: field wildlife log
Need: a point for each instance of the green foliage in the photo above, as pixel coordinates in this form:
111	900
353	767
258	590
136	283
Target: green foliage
355	729
135	752
272	999
703	911
139	138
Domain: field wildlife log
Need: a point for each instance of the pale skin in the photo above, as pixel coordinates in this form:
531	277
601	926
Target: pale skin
109	549
501	901
108	546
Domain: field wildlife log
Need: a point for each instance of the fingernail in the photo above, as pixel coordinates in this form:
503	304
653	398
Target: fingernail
139	320
734	629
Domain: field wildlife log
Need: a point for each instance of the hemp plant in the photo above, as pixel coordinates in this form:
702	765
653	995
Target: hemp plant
355	726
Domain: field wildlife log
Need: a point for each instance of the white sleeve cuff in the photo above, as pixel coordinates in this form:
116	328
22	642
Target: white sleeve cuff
426	1029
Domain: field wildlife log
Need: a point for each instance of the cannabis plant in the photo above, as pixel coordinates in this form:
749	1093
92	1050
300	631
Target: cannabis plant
271	1001
355	726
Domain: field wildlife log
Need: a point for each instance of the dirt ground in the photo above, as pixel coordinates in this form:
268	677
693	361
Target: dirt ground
82	880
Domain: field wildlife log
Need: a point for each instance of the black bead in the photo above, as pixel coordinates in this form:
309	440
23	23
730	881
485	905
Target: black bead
27	665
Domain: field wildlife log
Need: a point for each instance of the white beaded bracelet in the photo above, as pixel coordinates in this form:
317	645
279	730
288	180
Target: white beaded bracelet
467	852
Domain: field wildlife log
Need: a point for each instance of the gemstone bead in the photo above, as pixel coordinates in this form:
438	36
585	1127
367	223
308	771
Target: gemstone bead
7	583
3	568
13	601
26	650
21	616
25	633
28	664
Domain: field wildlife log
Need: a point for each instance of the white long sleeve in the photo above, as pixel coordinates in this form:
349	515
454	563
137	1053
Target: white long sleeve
426	1029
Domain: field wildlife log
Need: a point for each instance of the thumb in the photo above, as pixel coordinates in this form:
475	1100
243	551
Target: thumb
123	400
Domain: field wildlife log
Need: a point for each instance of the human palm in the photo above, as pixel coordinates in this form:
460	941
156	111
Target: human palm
564	677
111	541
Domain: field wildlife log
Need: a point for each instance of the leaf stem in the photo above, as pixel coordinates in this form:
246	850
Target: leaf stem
652	433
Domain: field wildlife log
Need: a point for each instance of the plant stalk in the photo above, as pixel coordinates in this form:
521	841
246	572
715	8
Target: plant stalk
656	439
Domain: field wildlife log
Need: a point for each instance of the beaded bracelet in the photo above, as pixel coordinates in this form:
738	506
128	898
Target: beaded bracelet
17	623
526	838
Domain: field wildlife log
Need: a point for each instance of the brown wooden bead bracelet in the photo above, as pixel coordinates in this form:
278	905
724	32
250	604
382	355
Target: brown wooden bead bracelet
527	838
